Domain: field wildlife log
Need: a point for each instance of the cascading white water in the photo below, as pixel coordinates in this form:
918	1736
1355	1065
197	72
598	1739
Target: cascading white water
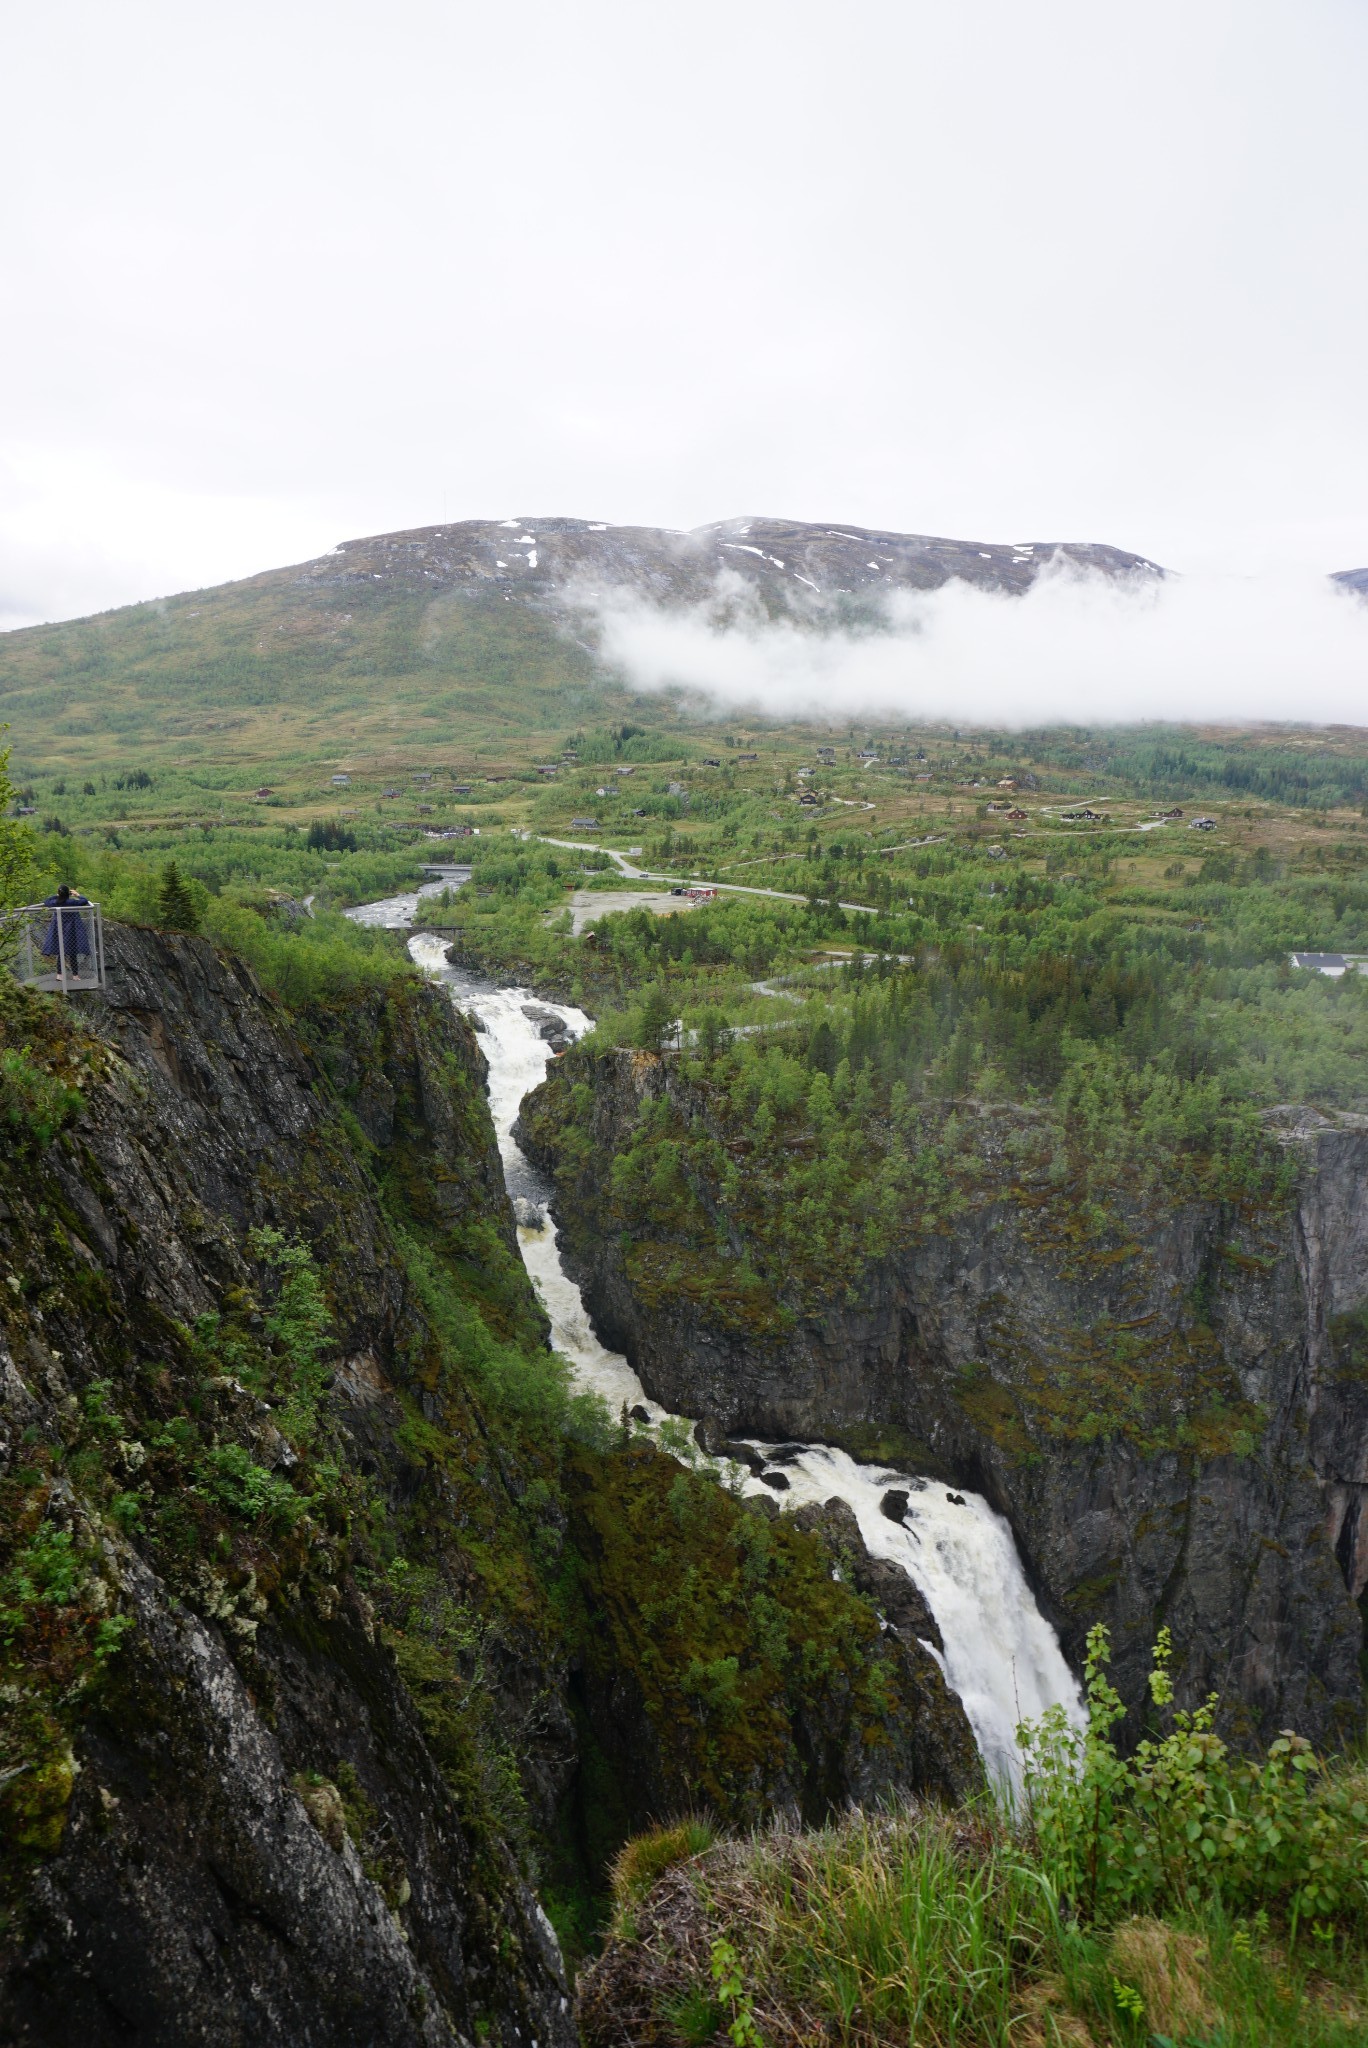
1001	1655
396	913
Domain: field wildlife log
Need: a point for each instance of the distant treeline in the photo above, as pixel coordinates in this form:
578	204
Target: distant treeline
1185	766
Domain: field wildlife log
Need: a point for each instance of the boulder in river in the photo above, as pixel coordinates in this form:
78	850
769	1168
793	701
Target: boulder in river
744	1454
894	1504
778	1480
550	1024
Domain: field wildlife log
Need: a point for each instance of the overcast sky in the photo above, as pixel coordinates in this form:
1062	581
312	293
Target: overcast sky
281	274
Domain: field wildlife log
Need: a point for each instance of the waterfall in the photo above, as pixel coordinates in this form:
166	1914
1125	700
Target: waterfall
1001	1656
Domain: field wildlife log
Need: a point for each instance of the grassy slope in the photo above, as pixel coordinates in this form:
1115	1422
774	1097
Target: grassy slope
268	674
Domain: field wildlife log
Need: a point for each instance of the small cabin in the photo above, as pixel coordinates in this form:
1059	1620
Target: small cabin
1333	964
1202	825
341	781
584	824
1016	815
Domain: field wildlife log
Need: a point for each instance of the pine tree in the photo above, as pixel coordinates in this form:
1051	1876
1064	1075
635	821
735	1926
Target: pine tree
175	903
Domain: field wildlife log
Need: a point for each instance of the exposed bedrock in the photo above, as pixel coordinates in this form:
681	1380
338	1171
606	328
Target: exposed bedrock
982	1354
241	1832
291	1722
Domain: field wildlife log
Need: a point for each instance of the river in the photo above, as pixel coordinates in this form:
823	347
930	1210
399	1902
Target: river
1001	1656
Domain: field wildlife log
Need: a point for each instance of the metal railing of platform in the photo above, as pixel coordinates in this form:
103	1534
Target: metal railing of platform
57	946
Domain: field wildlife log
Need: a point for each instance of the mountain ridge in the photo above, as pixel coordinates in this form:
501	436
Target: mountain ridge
670	565
481	626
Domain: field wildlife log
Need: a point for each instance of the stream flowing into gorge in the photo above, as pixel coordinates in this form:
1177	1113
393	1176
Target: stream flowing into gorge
1001	1656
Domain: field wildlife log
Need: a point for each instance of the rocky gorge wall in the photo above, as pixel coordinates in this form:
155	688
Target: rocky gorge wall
230	1823
326	1646
1174	1419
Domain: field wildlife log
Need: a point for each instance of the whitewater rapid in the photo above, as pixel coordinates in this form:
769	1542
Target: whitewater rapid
1001	1656
396	913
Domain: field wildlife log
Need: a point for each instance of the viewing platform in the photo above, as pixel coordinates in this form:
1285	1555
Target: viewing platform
60	947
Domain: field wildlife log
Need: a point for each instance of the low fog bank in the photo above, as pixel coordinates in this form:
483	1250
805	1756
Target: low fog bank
1078	648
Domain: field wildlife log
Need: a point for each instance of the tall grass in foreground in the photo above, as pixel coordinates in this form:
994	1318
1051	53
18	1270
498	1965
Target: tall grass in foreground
1184	1896
937	1931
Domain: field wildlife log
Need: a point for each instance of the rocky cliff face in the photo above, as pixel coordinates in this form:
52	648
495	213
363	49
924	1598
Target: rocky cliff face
228	1820
1174	1423
324	1639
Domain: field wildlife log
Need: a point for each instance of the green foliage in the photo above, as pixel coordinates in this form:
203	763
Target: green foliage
17	854
329	835
736	1634
325	959
45	1571
305	959
230	1476
300	1325
59	1630
177	908
724	1966
1185	1821
35	1103
947	1931
642	1861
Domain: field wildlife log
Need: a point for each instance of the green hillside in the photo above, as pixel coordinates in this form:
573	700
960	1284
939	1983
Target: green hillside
272	674
399	657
